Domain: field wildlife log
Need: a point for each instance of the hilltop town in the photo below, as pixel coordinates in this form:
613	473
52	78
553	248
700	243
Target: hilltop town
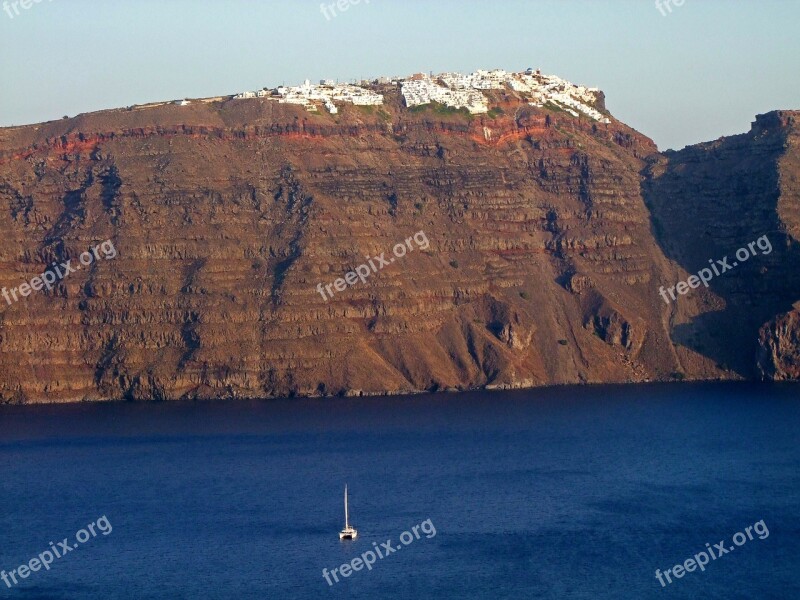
449	89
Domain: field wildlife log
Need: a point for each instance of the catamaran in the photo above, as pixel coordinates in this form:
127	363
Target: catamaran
348	533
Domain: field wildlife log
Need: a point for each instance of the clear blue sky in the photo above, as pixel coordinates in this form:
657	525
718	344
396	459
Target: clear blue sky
693	75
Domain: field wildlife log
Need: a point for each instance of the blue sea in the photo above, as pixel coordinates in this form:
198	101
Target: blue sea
573	492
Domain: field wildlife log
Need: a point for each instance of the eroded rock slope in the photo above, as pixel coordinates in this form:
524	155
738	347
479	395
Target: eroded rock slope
542	264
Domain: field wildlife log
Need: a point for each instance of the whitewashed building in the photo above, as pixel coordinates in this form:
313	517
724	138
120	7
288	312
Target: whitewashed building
450	89
424	90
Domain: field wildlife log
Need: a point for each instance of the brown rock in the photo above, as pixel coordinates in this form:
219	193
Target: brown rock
542	267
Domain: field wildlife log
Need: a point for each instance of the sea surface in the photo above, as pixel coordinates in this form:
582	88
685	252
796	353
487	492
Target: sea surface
574	492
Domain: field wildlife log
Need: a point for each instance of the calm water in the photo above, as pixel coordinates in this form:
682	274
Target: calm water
565	493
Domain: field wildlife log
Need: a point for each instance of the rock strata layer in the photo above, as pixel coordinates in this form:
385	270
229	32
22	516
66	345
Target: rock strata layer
546	240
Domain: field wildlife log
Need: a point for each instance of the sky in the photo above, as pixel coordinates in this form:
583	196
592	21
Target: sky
694	74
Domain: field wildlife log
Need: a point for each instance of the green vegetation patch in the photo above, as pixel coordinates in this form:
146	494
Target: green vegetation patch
495	112
441	110
555	108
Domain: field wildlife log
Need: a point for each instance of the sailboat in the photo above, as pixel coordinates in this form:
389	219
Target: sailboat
348	533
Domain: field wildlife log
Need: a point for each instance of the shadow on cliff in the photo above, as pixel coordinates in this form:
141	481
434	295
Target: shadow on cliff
706	202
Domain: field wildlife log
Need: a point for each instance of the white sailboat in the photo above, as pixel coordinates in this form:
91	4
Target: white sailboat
348	533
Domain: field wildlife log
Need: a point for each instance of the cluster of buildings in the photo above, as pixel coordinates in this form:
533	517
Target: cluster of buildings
326	92
457	90
422	89
572	98
450	89
479	80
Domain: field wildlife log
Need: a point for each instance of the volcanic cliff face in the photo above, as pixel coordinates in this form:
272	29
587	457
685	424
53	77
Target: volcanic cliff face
541	263
709	201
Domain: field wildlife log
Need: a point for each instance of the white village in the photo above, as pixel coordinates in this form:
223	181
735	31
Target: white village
449	89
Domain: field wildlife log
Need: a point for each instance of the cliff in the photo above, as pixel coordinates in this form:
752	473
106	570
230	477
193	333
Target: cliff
708	202
546	238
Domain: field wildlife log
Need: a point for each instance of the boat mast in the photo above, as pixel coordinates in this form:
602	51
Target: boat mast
346	520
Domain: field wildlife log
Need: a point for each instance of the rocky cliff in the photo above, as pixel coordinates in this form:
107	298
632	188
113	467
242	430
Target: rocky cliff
712	200
546	240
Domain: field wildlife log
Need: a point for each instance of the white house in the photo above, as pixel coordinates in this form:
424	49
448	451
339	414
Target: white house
451	89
